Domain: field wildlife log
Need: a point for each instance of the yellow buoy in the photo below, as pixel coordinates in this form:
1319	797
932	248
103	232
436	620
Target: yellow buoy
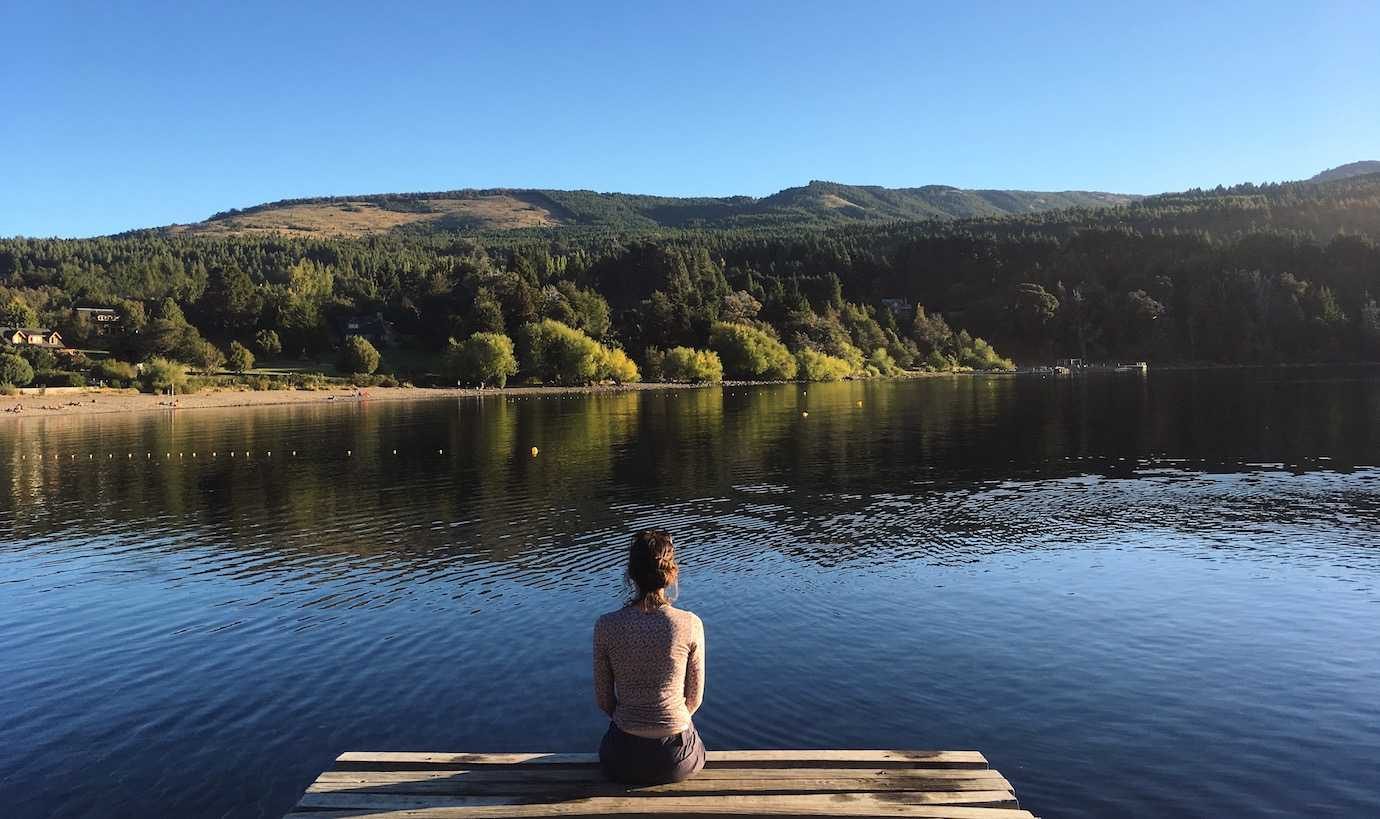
535	451
860	403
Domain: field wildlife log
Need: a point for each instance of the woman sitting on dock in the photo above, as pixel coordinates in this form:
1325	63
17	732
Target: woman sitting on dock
649	673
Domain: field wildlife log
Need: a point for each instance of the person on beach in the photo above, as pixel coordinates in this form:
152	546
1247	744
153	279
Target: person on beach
649	667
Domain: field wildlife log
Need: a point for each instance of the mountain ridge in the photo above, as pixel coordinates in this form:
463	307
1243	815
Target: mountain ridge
479	210
1351	169
818	203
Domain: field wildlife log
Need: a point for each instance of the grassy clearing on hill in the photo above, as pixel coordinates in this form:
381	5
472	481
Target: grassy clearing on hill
352	219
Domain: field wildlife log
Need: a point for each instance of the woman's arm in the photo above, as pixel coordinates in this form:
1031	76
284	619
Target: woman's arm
694	669
603	674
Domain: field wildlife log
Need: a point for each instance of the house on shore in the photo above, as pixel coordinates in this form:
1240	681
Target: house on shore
102	320
371	327
33	337
900	308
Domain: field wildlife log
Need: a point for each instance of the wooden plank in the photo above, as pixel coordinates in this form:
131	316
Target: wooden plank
813	783
447	782
565	773
349	800
715	758
904	812
322	806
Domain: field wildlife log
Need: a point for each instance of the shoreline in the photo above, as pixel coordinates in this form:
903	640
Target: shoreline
82	401
104	400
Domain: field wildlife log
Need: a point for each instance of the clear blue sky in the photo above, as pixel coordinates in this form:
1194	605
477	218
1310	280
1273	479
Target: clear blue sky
125	115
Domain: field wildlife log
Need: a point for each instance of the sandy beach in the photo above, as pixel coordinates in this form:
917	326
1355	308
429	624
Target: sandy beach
95	401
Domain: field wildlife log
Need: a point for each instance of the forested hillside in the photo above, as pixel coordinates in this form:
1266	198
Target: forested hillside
1248	274
470	211
1348	170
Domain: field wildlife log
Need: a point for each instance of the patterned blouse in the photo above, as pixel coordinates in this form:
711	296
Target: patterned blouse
649	668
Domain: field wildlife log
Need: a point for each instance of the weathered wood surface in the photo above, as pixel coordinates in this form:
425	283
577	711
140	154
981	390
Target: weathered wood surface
516	773
448	782
734	758
408	785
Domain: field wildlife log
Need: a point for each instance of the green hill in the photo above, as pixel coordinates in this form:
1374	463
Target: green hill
502	209
1348	170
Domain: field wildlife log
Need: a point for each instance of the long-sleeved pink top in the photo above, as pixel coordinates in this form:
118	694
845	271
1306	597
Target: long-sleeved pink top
649	668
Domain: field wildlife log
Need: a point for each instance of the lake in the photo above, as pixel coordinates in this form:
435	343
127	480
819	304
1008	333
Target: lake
1137	595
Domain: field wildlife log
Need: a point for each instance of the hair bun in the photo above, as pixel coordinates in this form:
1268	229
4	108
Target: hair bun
651	567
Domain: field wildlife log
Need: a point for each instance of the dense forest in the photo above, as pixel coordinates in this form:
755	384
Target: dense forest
1249	274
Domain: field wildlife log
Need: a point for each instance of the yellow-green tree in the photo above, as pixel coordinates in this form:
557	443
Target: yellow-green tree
557	353
482	359
749	352
238	358
358	356
816	366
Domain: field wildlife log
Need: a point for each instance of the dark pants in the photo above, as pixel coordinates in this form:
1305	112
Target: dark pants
635	760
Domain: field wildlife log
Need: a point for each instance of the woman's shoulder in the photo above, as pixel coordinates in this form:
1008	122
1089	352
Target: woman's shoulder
622	616
633	615
609	616
687	616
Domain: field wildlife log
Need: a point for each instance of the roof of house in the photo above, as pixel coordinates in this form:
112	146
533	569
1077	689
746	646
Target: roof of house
369	323
46	338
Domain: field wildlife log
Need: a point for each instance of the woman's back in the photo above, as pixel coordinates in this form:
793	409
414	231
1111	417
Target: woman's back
649	673
649	668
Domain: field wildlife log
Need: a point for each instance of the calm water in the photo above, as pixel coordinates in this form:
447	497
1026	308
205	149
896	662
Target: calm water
1139	596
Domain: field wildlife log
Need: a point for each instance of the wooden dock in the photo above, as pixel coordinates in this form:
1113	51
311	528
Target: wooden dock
933	784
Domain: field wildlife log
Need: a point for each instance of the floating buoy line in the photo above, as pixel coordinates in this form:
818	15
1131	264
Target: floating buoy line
349	453
184	455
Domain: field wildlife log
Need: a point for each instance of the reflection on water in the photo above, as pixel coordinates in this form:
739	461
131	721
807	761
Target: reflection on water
1139	596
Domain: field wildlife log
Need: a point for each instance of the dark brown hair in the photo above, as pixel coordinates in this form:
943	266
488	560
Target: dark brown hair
651	568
